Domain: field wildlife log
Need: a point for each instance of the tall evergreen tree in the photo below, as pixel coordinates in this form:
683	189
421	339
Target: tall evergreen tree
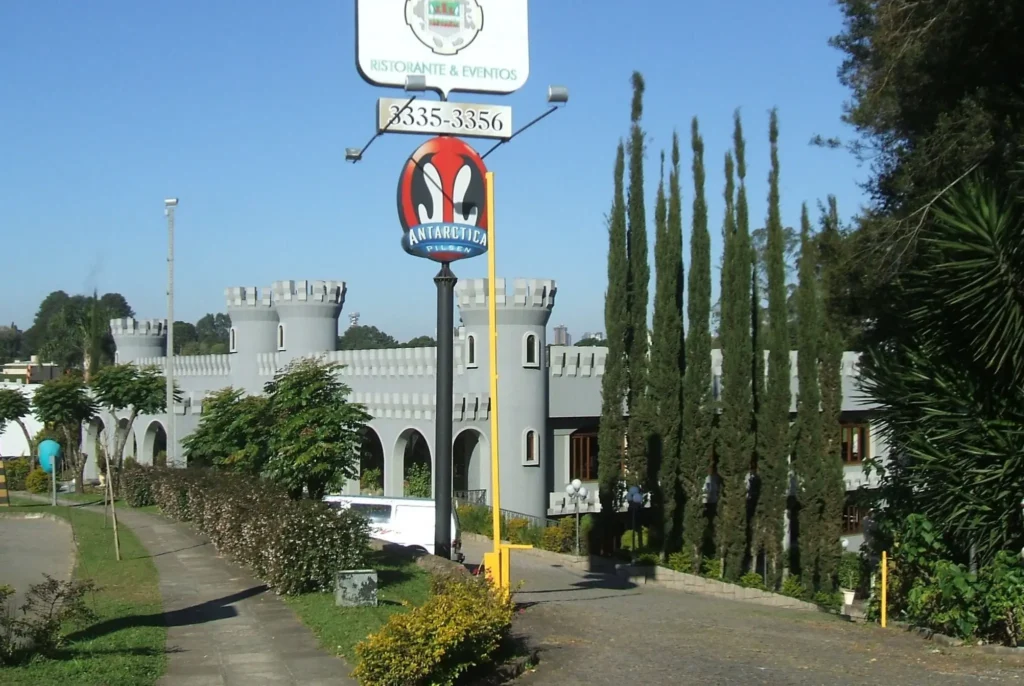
773	414
613	383
808	445
830	379
698	402
667	363
639	276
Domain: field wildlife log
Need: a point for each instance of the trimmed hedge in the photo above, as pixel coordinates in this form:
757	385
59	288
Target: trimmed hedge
460	627
295	546
16	470
38	482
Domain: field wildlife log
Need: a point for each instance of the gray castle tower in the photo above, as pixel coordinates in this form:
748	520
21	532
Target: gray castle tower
308	313
522	318
254	331
138	339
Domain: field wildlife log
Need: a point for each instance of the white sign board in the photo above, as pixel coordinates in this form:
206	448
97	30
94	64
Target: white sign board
433	118
474	46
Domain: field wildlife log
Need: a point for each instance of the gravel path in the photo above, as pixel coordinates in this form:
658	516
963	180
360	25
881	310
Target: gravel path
593	631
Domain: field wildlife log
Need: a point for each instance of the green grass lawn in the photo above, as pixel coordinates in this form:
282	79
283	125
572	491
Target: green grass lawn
340	629
125	646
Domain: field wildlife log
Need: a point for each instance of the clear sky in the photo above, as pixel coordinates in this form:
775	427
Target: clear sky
244	109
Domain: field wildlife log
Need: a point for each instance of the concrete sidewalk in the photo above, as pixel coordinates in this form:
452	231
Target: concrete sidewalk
223	626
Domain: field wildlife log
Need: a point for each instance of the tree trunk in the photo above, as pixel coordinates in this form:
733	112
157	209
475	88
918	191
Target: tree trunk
28	441
120	441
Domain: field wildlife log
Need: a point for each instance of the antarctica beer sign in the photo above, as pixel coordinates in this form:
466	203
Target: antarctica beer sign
442	201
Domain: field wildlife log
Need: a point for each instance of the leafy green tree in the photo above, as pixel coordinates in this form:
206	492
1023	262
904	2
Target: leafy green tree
317	433
773	449
364	337
186	337
830	380
951	388
15	407
234	433
132	389
667	361
420	342
612	428
65	404
417	480
734	444
73	331
591	341
10	343
214	330
698	402
638	281
808	448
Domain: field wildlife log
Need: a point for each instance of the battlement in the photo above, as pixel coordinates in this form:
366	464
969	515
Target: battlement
576	361
526	293
247	296
326	292
129	326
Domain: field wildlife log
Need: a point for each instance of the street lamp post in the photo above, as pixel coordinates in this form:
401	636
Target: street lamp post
577	493
169	205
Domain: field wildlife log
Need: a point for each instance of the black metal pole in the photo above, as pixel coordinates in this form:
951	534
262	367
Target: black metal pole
445	282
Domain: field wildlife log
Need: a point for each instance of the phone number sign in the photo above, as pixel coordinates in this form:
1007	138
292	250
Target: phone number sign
434	118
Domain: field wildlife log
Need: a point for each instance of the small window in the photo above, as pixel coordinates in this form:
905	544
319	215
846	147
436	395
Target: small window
280	336
531	352
231	339
531	451
583	455
855	446
853	518
471	350
377	514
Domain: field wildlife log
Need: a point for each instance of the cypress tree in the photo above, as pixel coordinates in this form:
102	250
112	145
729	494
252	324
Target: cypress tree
808	446
639	276
830	379
773	413
666	380
613	383
698	402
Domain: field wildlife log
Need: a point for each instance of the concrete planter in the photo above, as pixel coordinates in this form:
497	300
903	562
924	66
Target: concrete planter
356	588
848	597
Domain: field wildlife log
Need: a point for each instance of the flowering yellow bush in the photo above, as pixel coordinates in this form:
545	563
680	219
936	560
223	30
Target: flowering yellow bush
461	625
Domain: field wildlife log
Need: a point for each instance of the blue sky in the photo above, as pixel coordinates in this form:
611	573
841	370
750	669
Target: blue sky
244	109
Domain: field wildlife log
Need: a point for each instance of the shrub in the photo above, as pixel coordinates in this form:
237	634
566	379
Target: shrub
461	626
51	608
792	587
711	568
680	562
417	481
296	546
136	488
588	527
626	542
37	481
830	600
849	571
647	559
372	481
16	471
753	580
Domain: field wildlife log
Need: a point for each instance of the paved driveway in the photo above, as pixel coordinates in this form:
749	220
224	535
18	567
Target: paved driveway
30	548
596	632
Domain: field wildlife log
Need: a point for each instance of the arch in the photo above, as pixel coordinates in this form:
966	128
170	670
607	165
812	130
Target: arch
471	350
154	444
416	463
531	350
371	464
469	462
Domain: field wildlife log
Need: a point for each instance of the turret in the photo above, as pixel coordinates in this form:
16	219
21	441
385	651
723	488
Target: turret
308	313
139	338
522	318
253	332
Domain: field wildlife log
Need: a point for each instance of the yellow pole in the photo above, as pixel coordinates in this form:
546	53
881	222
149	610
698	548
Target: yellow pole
492	330
885	585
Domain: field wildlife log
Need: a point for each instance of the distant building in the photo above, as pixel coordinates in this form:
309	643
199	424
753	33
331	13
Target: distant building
562	336
599	335
353	320
29	371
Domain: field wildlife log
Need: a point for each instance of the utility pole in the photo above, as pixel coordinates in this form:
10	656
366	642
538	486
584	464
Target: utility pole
169	205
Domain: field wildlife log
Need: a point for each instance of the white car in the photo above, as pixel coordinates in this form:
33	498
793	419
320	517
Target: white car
405	521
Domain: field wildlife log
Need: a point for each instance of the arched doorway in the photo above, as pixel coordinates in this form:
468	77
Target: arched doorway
371	464
469	454
417	481
154	445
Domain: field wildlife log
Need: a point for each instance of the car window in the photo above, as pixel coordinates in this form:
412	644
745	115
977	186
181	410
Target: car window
377	514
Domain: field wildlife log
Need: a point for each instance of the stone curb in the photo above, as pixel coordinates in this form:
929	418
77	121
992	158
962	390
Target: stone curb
661	577
950	642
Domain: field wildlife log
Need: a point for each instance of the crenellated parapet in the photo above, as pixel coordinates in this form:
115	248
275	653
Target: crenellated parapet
137	338
191	365
528	303
247	297
466	407
388	362
570	361
322	292
129	326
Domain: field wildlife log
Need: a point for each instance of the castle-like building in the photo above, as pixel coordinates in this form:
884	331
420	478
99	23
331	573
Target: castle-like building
549	395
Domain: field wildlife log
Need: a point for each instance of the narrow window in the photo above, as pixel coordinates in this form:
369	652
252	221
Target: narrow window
231	341
471	351
530	356
280	336
531	447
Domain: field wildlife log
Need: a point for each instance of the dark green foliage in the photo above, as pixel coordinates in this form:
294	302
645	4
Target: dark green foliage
233	433
698	403
17	470
65	404
137	486
734	441
638	282
296	546
73	330
773	411
951	389
613	384
363	337
808	446
667	362
830	380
